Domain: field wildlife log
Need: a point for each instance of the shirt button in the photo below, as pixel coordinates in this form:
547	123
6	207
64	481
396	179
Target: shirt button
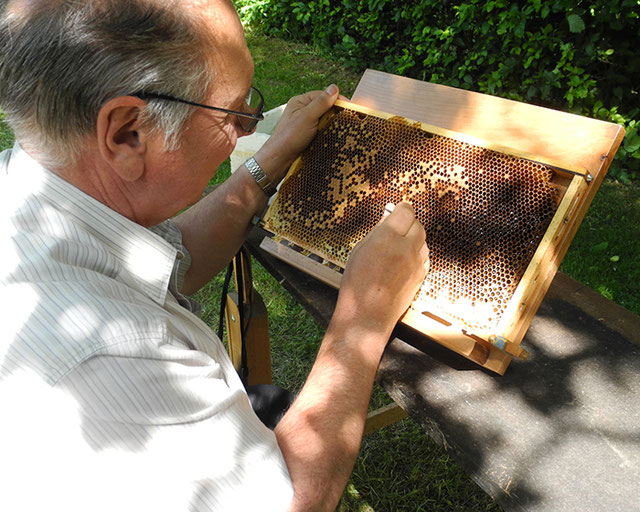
180	255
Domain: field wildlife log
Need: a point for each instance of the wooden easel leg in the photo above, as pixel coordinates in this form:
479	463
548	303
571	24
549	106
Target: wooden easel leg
234	336
383	417
256	325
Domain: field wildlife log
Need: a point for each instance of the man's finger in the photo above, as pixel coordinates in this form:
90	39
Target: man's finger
388	208
424	255
416	234
401	219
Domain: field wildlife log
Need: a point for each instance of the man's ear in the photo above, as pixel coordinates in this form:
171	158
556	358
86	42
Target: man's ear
122	139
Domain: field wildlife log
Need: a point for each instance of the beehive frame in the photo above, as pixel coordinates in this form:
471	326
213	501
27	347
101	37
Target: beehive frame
471	343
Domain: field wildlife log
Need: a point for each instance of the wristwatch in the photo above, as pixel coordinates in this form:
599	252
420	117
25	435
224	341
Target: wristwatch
261	178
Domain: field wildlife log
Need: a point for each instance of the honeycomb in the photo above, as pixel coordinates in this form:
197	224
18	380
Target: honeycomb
484	212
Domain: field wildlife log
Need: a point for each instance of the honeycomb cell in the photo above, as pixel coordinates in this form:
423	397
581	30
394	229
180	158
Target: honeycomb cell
484	212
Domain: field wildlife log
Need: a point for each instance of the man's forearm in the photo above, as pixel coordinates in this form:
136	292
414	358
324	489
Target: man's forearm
214	229
321	433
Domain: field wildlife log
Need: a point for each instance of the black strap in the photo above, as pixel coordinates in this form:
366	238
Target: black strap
223	299
244	369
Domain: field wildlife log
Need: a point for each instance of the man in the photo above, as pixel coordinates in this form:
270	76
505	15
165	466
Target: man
114	394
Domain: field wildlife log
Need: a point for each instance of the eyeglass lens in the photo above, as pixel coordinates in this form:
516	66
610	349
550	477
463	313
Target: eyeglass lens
253	104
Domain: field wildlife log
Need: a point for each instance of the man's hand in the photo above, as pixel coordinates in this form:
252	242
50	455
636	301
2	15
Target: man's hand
385	270
295	130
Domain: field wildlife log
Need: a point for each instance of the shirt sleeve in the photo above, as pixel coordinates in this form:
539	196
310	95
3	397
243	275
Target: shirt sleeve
170	232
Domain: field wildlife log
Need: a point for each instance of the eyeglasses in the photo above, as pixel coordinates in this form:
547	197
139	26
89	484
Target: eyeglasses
253	103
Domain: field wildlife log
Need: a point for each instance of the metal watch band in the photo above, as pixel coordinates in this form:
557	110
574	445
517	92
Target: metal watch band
261	178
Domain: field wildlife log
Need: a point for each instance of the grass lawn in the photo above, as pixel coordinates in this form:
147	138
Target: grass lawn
605	253
399	467
6	136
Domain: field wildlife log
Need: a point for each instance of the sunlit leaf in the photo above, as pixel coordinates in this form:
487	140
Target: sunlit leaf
575	23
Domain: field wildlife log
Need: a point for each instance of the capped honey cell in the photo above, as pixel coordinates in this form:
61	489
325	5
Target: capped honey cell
484	212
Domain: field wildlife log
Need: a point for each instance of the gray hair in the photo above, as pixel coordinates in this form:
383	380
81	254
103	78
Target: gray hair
61	61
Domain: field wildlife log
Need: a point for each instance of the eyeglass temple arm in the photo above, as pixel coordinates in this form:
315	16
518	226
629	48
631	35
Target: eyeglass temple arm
166	97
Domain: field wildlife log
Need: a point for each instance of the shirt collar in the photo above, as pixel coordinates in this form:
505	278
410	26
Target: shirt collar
146	257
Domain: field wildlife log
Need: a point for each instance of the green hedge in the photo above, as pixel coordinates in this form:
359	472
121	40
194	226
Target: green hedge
576	56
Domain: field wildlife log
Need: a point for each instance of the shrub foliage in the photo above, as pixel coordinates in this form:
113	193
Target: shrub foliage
566	54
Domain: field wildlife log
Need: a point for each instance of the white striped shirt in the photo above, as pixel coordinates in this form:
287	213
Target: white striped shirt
113	395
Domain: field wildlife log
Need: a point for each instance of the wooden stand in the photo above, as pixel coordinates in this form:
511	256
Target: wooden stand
578	148
256	324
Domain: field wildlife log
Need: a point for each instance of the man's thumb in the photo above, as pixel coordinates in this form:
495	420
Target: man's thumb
324	101
332	90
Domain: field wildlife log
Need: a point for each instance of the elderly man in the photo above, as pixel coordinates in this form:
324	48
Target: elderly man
114	394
